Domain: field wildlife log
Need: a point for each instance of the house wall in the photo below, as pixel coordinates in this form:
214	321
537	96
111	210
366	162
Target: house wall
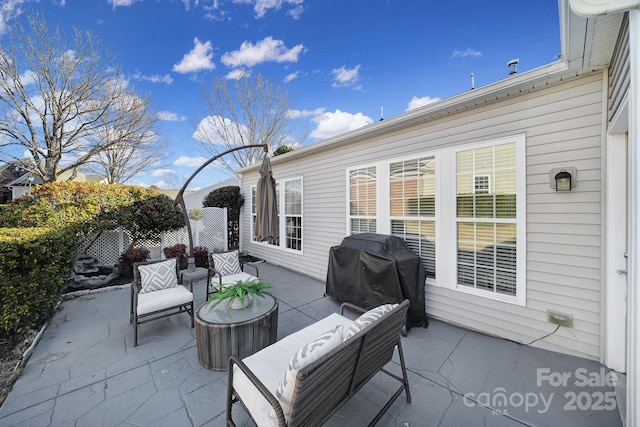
619	79
562	124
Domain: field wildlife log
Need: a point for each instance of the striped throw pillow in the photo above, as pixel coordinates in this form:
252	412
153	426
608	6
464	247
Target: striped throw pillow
157	276
368	318
306	355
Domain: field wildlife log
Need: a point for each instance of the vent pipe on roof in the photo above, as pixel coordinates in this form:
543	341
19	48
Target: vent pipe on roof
381	114
473	81
513	66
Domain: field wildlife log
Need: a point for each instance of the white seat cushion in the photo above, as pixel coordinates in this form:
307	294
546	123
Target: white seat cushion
233	278
149	302
270	363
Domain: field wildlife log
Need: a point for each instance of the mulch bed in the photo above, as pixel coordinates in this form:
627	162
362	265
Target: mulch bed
11	365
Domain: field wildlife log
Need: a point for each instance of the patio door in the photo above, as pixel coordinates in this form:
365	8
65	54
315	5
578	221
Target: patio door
616	253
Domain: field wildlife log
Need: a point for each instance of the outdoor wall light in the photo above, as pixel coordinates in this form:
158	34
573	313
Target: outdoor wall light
563	179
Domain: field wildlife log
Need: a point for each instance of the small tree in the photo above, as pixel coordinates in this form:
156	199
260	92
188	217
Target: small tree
230	198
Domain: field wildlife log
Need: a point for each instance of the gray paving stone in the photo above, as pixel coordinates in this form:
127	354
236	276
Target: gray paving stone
86	372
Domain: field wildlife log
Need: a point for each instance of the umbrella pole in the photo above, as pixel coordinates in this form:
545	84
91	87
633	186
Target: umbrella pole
180	197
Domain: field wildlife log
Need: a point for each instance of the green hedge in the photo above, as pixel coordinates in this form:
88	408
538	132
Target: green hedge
35	264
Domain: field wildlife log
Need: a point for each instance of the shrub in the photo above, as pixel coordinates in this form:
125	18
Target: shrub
179	251
35	265
201	255
128	257
91	208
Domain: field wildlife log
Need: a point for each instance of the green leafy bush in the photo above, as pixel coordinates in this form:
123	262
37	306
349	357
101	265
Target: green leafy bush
36	263
92	208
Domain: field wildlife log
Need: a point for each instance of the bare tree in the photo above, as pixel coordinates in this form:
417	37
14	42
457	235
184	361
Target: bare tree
252	111
62	100
127	156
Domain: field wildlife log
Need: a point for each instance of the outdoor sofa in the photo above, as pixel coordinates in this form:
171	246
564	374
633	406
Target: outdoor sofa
335	358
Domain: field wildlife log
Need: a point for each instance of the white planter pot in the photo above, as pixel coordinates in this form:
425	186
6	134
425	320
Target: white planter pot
236	304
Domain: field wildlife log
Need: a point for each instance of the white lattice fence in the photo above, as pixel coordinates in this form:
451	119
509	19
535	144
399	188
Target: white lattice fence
210	231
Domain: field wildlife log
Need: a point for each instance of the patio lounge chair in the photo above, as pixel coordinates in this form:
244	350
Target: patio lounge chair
226	268
155	293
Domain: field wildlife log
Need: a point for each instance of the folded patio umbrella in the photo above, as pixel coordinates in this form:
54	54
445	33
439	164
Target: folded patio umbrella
266	226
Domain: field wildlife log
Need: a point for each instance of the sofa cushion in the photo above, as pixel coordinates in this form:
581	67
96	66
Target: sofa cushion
150	302
269	364
159	275
368	318
307	354
226	263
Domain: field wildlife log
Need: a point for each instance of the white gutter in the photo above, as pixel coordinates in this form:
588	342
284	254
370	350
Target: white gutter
588	8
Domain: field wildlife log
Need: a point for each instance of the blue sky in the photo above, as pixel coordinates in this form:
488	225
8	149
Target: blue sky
341	61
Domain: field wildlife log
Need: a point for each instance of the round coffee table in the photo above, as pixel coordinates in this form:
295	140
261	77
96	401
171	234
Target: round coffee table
221	332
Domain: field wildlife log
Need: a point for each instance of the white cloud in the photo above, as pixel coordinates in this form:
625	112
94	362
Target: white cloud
189	161
261	7
266	50
155	78
346	77
9	10
296	12
28	78
298	114
116	3
291	76
163	172
331	124
169	116
205	131
419	102
199	58
467	53
237	74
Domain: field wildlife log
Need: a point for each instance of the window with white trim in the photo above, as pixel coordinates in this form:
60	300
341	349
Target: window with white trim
293	214
412	207
289	202
363	200
486	220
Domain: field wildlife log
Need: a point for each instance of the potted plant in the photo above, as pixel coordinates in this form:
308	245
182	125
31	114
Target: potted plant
201	256
128	257
238	294
177	251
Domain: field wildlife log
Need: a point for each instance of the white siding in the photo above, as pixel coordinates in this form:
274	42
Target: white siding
562	124
619	78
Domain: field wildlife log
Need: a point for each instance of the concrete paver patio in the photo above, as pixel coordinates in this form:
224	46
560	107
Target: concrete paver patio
85	371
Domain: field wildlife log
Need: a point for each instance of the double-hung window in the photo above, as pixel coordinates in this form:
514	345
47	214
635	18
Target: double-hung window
487	219
289	202
412	207
363	200
293	214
